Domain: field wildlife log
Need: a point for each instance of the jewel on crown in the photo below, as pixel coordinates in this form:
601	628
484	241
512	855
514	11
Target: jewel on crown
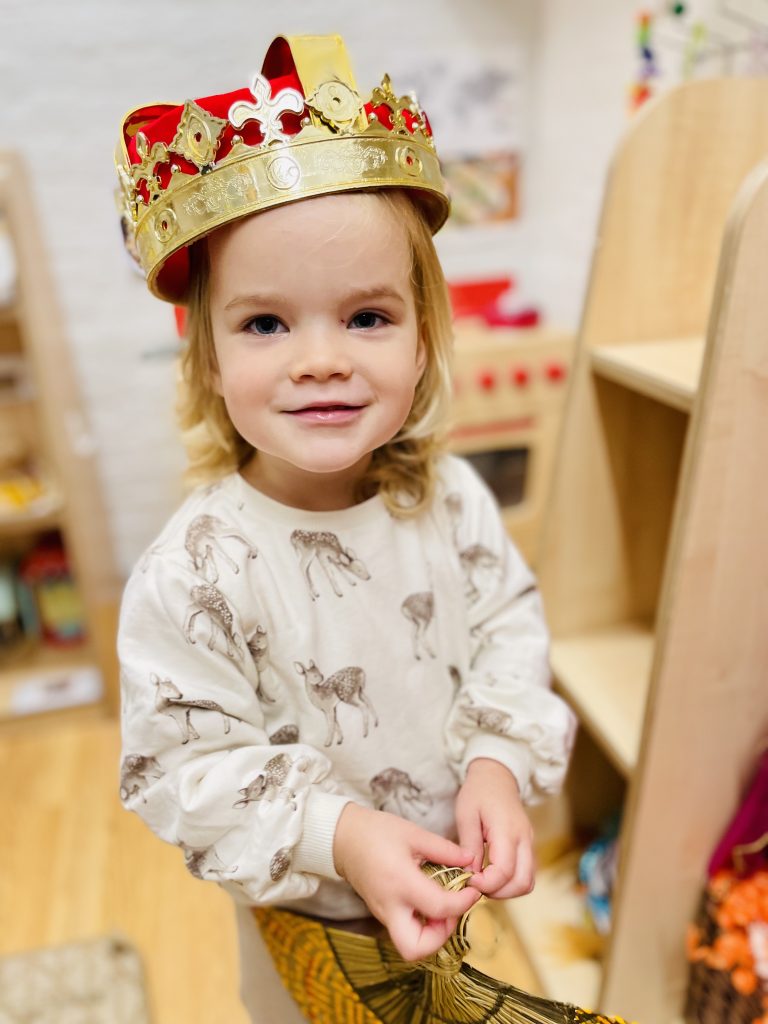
333	108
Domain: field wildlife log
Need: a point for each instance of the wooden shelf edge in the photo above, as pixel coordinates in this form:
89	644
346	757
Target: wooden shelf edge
542	921
605	674
45	513
665	370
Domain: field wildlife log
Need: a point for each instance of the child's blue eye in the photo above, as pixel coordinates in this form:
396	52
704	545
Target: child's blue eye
366	319
264	325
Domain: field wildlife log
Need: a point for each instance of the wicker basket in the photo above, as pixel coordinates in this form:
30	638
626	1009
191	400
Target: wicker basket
711	997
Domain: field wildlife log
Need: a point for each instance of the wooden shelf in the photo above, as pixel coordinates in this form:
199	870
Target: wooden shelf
43	515
666	370
605	675
542	921
44	667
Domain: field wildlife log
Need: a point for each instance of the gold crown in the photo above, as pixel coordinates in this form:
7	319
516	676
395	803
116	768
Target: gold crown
186	170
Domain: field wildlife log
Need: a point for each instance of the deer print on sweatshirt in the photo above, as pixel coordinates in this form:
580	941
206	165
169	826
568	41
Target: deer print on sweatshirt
419	609
480	566
347	686
394	788
280	863
169	700
272	781
284	735
325	550
208	601
258	648
203	861
203	543
136	773
492	719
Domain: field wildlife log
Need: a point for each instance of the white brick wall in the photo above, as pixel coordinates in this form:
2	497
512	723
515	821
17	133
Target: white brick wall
68	71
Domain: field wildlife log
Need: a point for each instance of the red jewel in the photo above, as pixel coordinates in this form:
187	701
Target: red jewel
486	380
520	376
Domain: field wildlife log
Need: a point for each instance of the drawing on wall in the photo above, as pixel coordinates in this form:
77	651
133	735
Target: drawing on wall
476	113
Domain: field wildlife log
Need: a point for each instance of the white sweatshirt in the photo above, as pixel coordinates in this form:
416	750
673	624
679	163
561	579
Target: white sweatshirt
278	663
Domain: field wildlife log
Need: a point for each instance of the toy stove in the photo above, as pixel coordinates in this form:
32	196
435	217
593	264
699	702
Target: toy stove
509	392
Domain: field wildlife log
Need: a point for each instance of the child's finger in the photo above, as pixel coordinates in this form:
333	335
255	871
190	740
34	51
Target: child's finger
470	829
435	903
416	938
432	847
521	882
501	868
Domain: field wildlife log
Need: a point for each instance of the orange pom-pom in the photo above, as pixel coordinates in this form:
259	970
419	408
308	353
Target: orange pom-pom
744	980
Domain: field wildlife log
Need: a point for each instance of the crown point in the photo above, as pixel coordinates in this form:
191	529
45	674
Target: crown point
305	122
175	168
373	116
236	140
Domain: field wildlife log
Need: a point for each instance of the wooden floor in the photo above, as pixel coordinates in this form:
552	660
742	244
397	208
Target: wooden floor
74	865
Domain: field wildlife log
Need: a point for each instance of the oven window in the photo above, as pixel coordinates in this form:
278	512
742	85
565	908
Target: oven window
504	470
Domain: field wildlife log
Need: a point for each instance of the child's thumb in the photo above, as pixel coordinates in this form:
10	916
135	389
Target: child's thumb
438	850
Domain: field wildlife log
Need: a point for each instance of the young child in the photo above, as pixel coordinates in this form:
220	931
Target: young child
334	662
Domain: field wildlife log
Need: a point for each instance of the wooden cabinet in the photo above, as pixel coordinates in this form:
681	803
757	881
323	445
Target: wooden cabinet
654	562
42	426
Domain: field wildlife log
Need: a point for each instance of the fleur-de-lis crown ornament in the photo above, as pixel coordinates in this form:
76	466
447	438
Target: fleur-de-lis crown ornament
300	130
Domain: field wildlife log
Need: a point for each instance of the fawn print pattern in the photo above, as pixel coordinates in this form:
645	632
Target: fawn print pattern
280	863
208	601
137	771
326	551
396	788
347	686
284	735
491	719
203	544
202	860
257	647
419	609
271	782
478	563
169	700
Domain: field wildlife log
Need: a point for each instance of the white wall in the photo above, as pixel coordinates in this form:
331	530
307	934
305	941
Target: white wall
70	70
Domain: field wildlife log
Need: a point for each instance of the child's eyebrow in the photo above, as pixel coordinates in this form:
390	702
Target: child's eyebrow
265	299
383	291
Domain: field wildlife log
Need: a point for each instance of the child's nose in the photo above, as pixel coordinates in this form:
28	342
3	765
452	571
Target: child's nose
320	355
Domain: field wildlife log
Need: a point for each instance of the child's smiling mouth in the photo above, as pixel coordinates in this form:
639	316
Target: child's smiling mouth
327	412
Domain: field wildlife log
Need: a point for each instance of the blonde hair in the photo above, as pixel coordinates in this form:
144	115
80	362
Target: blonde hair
403	470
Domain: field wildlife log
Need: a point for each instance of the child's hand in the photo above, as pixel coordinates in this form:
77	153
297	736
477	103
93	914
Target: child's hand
489	810
380	854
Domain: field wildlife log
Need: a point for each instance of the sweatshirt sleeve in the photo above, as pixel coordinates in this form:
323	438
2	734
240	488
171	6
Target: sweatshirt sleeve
197	765
504	708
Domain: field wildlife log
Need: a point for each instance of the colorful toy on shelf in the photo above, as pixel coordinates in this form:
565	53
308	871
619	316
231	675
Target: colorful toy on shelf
45	570
597	873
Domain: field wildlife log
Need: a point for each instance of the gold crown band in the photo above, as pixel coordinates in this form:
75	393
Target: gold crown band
259	179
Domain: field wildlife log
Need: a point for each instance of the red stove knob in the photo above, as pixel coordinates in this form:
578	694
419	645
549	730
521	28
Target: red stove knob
486	380
520	376
555	371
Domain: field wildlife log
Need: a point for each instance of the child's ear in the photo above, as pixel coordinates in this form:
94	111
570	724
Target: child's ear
421	356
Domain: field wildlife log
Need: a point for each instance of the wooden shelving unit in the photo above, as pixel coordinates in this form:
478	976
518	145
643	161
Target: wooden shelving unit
38	419
654	561
668	371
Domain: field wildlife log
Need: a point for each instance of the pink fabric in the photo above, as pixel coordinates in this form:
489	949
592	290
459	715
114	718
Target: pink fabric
749	824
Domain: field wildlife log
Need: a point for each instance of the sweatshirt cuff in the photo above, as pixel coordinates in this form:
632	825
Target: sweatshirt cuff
514	756
313	854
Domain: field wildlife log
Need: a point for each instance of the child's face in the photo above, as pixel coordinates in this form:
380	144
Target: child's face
316	337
